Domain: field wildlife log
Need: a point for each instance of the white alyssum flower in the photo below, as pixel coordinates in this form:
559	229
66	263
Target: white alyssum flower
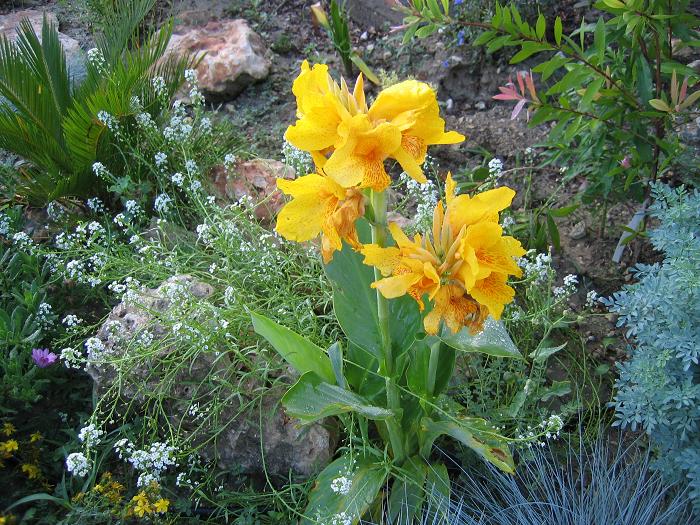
162	203
160	159
177	179
592	299
145	121
300	161
341	485
71	320
97	60
159	86
44	315
229	161
495	167
95	204
195	186
4	224
90	435
72	358
100	170
77	464
191	166
22	241
96	350
108	120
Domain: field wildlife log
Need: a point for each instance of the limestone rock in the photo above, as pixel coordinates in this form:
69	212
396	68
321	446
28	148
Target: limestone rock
255	179
286	445
233	56
10	23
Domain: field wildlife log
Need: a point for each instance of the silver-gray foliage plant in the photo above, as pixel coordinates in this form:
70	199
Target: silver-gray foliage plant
659	386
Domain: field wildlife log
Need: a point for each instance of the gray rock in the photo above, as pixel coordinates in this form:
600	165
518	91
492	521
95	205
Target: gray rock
367	13
578	231
286	446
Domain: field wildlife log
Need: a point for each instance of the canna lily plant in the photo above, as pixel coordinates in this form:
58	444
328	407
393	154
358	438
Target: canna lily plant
406	306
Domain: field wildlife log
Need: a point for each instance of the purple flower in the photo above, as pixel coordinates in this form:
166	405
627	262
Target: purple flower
43	358
460	38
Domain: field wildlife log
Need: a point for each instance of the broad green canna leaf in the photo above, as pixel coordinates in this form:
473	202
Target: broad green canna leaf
302	354
311	399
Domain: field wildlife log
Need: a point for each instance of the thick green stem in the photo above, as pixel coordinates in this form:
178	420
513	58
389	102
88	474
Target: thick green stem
379	234
432	367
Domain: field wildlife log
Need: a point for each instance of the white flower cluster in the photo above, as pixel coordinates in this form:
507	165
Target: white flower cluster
160	158
110	121
44	316
592	299
71	320
96	349
178	179
229	161
100	171
341	485
145	122
342	518
150	462
55	211
72	358
179	128
95	205
193	83
530	155
159	87
550	428
23	241
569	287
191	167
508	222
204	234
537	268
205	125
90	435
425	197
162	203
77	464
4	224
97	60
300	161
495	168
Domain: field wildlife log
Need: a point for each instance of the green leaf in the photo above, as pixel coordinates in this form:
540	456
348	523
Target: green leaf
361	372
599	39
426	31
366	70
417	372
558	389
492	340
408	493
484	38
591	91
541	26
310	399
366	481
438	492
355	302
476	434
528	49
540	355
644	80
553	232
517	403
557	30
659	104
564	211
615	4
335	354
302	354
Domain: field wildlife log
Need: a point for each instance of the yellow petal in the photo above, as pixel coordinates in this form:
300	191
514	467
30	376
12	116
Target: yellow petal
396	286
301	219
409	165
385	259
450	188
493	293
464	210
398	235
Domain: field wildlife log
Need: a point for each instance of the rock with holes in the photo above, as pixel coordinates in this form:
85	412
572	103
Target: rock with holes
255	180
232	56
154	344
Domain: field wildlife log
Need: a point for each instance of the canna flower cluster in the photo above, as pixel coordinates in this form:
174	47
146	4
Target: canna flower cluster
349	143
462	265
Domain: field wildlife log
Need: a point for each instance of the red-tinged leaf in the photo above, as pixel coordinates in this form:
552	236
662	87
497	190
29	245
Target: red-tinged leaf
517	109
520	81
674	88
684	90
531	86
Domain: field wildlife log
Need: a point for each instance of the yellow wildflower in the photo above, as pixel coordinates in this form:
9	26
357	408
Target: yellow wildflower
320	205
161	506
143	506
32	471
8	429
8	447
462	267
412	107
36	436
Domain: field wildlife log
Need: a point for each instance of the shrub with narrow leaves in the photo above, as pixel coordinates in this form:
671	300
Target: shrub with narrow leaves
659	387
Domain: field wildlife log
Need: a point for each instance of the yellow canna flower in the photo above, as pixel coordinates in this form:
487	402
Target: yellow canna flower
8	447
462	271
8	429
321	107
361	152
412	107
320	205
161	506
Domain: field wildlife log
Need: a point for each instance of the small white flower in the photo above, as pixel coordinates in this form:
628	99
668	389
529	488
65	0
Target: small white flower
160	158
90	435
341	485
159	86
162	203
77	464
99	170
178	179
